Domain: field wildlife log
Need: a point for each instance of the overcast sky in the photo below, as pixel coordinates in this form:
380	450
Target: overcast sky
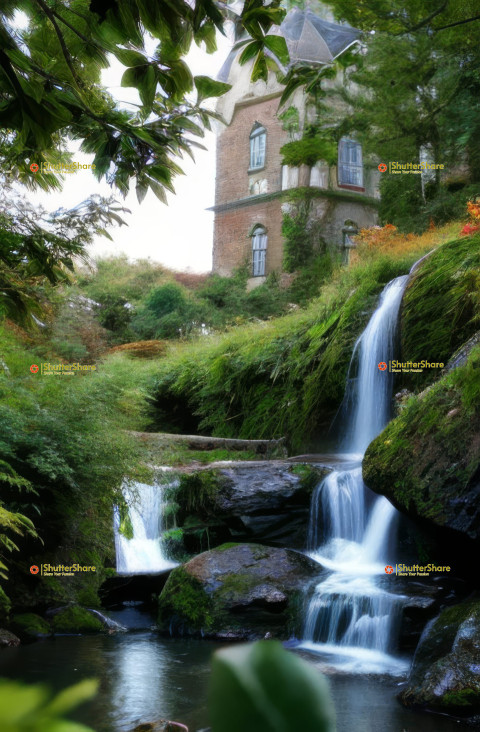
179	235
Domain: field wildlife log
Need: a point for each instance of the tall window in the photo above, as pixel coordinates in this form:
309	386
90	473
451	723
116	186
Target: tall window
259	251
258	139
350	165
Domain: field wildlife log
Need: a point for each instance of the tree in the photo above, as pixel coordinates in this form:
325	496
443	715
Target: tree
50	82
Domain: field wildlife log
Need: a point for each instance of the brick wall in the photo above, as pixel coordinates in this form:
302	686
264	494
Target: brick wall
233	152
232	243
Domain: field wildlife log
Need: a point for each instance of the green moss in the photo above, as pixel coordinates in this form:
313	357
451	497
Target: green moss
427	457
76	619
461	698
309	475
184	602
227	545
30	624
441	306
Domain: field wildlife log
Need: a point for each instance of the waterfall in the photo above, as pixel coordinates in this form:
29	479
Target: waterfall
351	618
144	552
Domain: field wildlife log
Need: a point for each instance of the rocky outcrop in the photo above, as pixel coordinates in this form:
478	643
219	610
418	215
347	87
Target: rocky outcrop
73	619
239	591
427	460
446	668
29	626
8	639
267	503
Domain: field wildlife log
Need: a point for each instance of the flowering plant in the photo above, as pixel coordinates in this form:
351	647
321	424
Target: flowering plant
473	208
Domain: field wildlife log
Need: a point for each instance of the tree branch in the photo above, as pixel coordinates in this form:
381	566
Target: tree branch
459	22
68	59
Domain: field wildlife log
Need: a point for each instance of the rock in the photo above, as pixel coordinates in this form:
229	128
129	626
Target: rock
30	626
427	460
239	591
446	668
267	503
74	619
161	725
7	639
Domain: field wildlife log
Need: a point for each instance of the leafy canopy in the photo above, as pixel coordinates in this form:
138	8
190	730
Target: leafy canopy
50	82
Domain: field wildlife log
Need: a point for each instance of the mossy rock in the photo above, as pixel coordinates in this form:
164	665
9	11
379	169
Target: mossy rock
75	619
238	591
441	306
427	460
445	672
29	626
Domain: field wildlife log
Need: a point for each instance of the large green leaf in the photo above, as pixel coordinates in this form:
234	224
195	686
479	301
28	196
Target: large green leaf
278	46
207	87
261	687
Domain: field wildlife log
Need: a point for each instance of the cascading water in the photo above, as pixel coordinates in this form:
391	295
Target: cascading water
144	552
350	615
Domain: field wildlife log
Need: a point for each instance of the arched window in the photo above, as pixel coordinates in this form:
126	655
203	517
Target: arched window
258	139
350	164
259	251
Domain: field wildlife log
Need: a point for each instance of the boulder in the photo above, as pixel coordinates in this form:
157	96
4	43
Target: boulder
238	591
262	502
427	460
8	639
445	673
74	619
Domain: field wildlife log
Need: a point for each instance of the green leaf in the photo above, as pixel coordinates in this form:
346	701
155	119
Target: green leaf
73	696
249	52
207	87
260	70
261	687
130	58
278	46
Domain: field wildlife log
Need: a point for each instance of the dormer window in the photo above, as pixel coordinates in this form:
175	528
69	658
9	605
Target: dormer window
350	163
258	140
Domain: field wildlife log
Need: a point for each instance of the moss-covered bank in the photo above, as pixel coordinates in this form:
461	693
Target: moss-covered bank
441	306
427	460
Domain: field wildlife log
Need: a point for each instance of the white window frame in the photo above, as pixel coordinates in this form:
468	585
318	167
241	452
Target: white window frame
350	163
258	147
259	251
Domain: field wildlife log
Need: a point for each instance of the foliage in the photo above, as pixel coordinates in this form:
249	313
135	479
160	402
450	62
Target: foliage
49	82
301	235
264	688
473	208
36	247
33	709
62	435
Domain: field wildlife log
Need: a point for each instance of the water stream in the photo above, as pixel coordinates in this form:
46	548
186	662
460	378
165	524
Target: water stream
145	551
351	617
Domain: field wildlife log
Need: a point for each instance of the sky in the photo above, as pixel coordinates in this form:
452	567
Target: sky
179	235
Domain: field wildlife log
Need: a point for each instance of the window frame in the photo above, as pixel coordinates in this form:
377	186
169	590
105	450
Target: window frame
259	247
256	149
350	175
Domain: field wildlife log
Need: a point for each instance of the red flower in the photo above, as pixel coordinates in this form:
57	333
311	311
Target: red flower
470	229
